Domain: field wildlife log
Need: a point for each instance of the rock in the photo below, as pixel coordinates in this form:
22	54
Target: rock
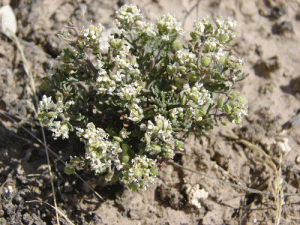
282	27
264	68
8	22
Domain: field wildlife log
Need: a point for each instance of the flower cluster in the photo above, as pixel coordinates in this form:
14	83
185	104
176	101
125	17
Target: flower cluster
136	112
195	99
50	113
91	37
169	27
235	108
142	172
129	104
100	151
212	44
159	137
127	16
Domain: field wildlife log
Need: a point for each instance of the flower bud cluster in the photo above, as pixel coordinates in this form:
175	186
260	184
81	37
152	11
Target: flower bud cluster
195	99
127	16
49	112
223	32
131	91
168	26
142	172
146	29
159	137
102	153
185	58
235	108
136	112
128	104
214	42
91	37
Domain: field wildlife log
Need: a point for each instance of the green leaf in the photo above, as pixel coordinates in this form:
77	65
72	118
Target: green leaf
215	87
69	170
242	77
45	87
133	186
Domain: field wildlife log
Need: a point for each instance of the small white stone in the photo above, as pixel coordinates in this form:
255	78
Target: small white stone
195	194
283	145
8	22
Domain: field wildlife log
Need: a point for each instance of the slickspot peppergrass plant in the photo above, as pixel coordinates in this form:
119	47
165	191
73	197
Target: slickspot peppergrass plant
128	105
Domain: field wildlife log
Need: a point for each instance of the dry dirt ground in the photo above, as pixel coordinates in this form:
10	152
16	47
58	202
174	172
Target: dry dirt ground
268	40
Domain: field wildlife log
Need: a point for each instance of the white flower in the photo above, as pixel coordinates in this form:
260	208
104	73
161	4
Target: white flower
127	15
168	25
60	130
46	103
230	23
147	28
199	27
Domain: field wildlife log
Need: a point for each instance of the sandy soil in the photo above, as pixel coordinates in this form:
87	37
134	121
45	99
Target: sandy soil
268	40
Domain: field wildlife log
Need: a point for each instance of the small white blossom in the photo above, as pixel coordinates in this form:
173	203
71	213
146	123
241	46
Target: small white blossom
101	152
168	25
127	15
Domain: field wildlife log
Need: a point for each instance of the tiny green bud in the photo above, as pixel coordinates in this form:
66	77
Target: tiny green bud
206	60
176	45
243	99
181	68
133	60
69	170
159	124
180	80
139	173
81	44
109	176
147	138
118	139
138	23
223	122
171	70
193	36
223	37
155	147
133	186
154	170
125	158
193	76
220	103
183	99
224	61
51	114
125	147
201	112
145	165
227	108
179	144
96	50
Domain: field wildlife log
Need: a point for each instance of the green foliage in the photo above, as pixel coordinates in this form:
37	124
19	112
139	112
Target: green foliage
128	105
